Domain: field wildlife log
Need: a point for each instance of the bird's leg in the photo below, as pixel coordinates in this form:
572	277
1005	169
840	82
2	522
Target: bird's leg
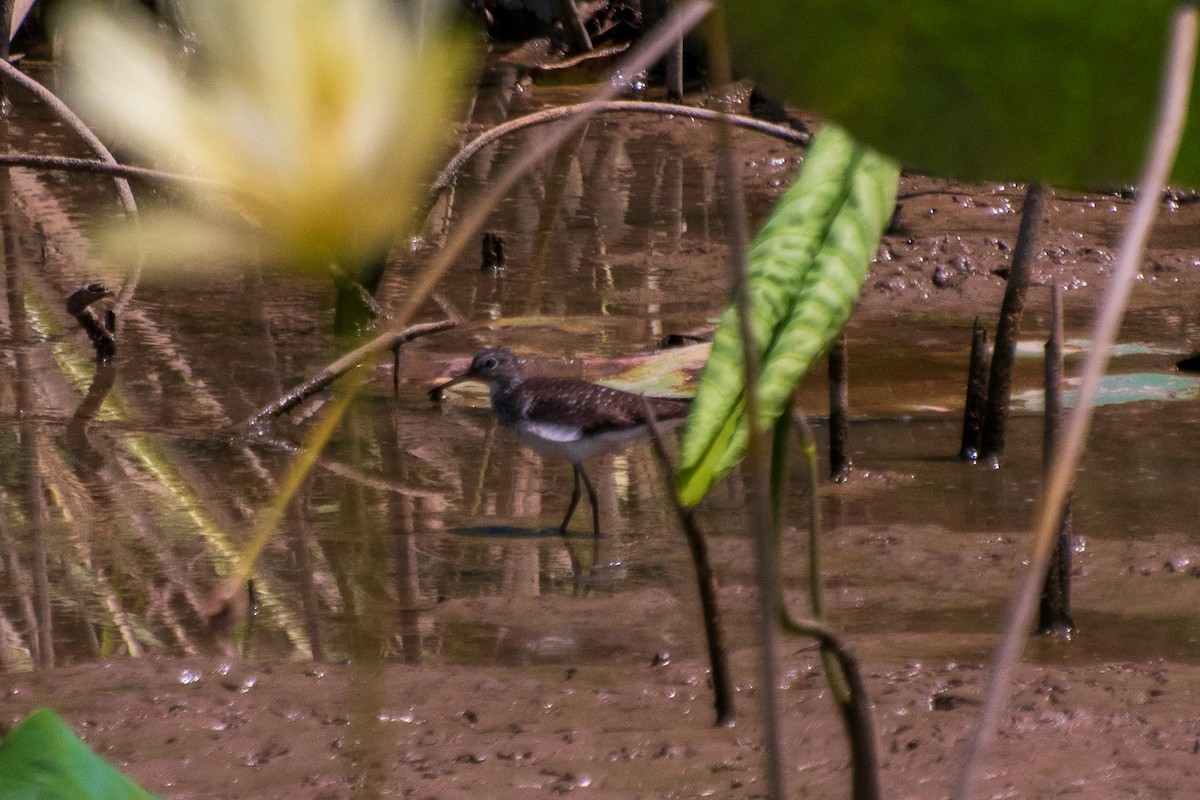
595	512
574	500
576	567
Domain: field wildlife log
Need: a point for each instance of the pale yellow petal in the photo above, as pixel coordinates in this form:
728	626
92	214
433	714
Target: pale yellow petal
323	118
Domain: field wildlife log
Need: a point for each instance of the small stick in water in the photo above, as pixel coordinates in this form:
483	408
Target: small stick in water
977	377
1054	610
839	410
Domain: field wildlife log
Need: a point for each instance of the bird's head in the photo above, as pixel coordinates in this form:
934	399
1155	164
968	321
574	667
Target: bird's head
495	363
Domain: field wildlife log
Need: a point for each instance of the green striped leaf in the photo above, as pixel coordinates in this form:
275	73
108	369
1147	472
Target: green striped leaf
806	269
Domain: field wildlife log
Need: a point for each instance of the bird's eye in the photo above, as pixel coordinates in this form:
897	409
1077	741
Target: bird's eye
490	363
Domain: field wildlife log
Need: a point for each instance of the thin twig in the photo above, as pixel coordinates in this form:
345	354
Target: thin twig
611	107
1167	130
337	369
354	474
85	133
100	167
706	580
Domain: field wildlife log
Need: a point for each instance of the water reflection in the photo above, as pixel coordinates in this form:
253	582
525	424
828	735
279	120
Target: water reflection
602	233
38	647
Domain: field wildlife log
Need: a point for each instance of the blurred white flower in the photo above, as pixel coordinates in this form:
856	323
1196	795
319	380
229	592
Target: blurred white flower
322	117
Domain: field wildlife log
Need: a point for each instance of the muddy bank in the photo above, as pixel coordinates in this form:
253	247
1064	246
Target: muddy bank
605	695
951	244
199	728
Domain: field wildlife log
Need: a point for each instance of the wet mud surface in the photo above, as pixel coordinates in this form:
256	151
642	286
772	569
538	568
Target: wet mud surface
524	692
637	723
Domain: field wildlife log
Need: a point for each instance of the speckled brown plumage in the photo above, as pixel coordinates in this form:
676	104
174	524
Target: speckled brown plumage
564	417
594	408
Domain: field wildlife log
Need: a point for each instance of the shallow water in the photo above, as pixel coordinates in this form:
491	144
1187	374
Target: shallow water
425	532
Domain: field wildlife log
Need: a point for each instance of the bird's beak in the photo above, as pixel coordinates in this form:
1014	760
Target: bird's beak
437	393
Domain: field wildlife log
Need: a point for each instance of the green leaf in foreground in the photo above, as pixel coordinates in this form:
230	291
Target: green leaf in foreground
1061	92
805	271
42	759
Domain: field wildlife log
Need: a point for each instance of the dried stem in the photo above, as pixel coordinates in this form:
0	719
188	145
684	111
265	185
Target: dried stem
758	458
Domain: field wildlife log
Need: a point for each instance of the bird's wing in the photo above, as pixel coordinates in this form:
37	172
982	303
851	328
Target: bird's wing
595	408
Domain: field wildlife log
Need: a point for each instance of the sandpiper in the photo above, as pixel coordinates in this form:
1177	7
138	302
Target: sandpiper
564	417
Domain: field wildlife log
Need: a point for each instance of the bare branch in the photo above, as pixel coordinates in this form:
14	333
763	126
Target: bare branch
611	107
101	167
81	129
337	369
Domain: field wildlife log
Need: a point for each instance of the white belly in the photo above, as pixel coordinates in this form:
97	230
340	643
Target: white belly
567	441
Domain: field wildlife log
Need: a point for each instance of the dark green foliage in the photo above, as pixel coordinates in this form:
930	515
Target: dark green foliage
1061	92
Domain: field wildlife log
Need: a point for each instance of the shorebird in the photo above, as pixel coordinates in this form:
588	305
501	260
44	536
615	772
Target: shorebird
565	417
